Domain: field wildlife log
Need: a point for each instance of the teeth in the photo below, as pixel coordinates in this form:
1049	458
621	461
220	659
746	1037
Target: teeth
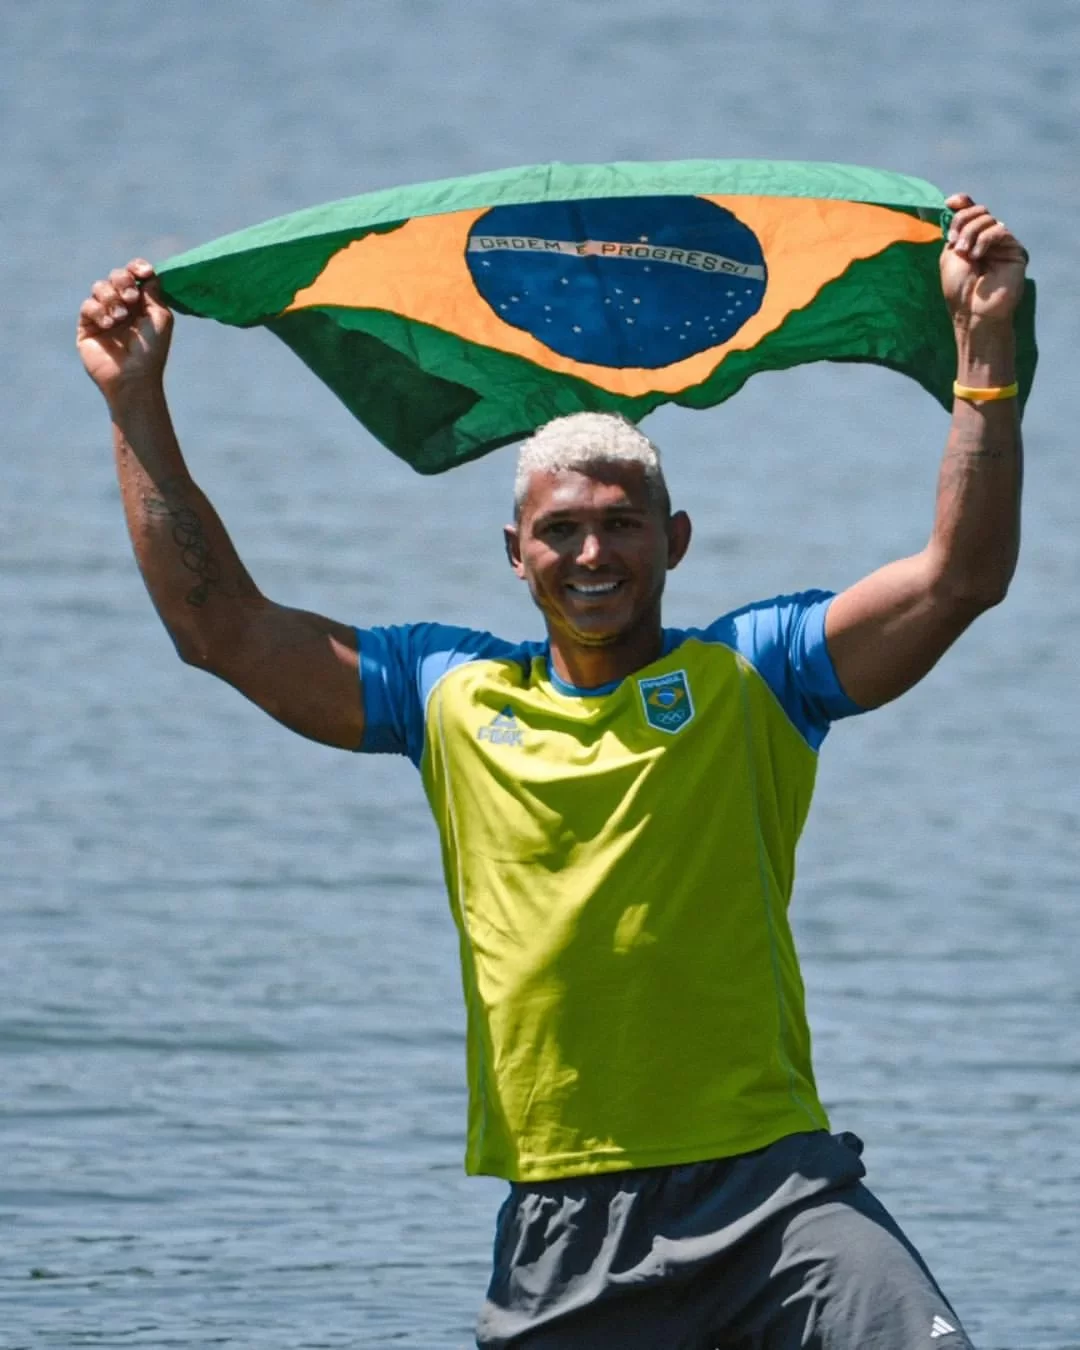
604	589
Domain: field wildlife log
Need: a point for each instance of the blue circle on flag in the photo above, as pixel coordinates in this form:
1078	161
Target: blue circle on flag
620	281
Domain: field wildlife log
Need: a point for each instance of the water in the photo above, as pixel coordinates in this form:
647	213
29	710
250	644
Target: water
229	1024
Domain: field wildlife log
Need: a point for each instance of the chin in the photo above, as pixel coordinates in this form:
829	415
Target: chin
599	639
599	633
595	630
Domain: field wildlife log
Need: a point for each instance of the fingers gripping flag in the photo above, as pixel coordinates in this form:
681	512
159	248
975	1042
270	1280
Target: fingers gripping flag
455	317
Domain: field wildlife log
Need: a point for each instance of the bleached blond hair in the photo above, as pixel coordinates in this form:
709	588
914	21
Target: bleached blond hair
583	441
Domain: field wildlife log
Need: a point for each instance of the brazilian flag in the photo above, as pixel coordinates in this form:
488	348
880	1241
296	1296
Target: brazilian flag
457	316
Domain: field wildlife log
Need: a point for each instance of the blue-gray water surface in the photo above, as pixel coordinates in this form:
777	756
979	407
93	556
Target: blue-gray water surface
230	1023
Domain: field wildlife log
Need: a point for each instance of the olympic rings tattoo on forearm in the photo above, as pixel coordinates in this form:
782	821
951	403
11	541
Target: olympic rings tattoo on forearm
195	553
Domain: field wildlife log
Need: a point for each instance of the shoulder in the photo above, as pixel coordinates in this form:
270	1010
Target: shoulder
424	651
758	628
783	639
401	664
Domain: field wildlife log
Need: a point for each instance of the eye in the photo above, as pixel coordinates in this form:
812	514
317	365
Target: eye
558	529
624	523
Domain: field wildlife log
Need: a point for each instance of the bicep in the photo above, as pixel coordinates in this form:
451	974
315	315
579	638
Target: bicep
300	668
890	629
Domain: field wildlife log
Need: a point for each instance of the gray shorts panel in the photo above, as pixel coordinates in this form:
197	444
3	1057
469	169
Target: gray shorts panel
782	1249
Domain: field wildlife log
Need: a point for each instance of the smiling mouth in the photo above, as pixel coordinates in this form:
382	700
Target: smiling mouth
593	590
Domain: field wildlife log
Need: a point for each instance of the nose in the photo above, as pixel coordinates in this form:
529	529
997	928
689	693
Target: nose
591	549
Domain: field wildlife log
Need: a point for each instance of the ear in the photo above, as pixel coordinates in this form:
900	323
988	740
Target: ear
678	533
512	543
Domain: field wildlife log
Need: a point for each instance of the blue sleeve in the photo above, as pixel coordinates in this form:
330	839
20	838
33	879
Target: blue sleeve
784	640
399	666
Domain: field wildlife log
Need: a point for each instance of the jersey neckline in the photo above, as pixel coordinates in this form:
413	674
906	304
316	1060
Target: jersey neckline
669	643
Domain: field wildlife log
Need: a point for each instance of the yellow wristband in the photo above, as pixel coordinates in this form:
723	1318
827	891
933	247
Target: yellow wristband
986	395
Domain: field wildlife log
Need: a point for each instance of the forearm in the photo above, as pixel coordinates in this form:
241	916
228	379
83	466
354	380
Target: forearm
196	580
976	535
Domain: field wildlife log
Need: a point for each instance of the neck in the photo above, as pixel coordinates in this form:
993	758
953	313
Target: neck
587	666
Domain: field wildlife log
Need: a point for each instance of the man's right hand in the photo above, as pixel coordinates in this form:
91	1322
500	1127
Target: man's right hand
301	668
124	329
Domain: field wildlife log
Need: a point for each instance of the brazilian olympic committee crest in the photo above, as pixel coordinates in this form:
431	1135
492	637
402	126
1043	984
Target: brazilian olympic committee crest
619	281
667	702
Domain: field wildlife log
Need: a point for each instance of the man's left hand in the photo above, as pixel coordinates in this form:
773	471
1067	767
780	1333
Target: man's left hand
982	265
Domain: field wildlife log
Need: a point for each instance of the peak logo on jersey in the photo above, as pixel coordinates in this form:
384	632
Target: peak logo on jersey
667	702
503	729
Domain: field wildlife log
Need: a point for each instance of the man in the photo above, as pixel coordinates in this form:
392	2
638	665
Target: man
619	808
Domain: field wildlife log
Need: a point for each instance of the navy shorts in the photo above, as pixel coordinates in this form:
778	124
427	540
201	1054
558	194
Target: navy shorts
781	1249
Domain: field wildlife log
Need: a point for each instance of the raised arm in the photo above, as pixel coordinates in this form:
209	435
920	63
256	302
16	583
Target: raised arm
300	668
888	630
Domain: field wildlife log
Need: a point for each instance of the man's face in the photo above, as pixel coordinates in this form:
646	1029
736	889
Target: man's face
595	550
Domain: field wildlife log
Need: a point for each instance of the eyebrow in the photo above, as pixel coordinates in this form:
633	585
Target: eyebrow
571	513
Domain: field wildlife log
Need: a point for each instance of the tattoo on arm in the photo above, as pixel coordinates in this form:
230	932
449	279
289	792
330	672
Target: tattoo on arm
971	447
195	552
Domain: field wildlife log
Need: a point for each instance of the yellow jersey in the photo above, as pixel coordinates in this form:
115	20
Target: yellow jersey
620	863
